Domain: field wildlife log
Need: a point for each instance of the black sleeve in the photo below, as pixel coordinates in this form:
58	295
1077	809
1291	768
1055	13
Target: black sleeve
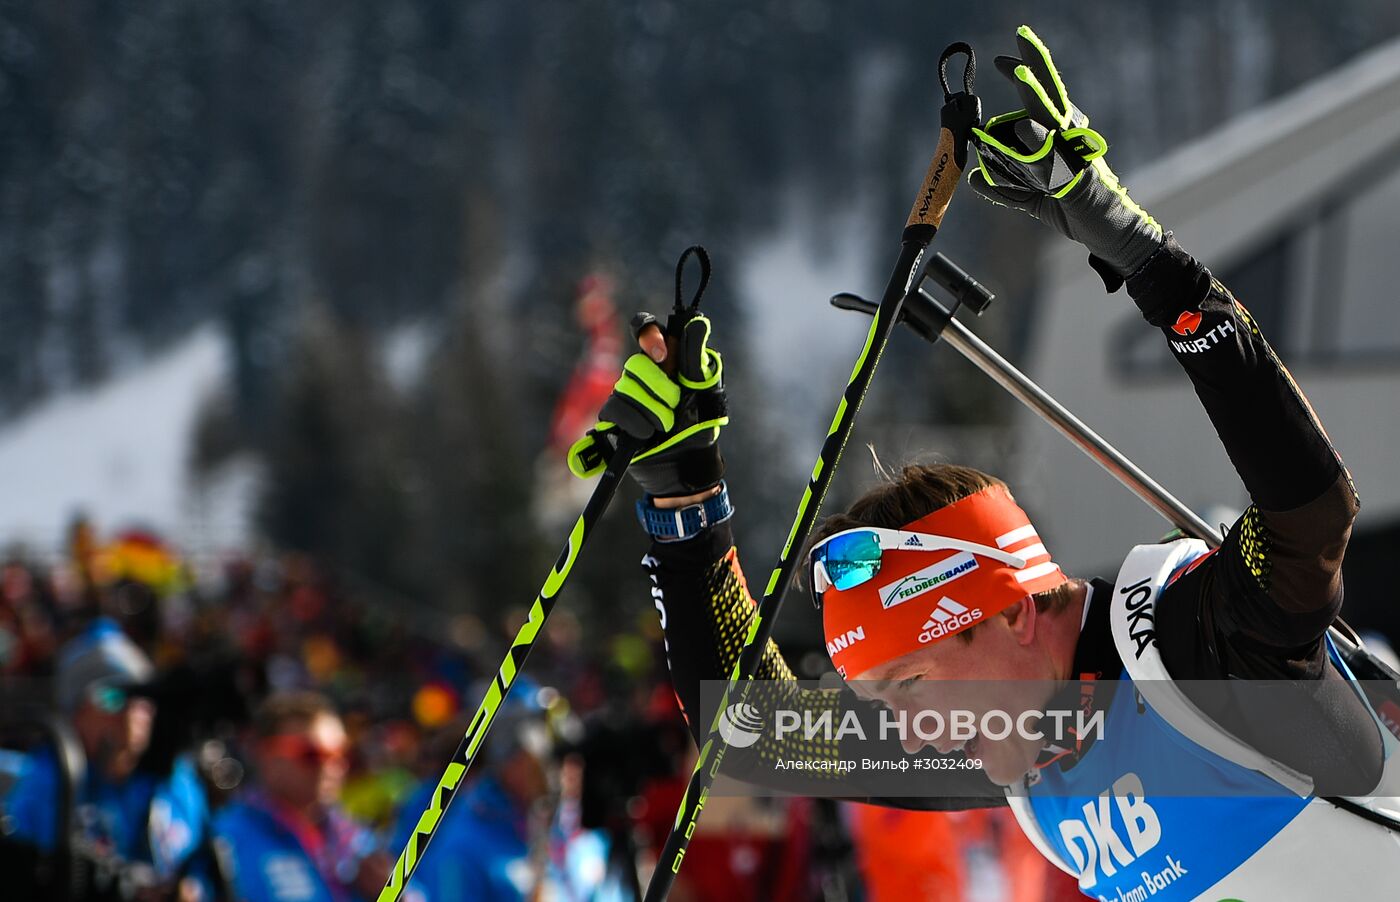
1278	583
701	594
1258	608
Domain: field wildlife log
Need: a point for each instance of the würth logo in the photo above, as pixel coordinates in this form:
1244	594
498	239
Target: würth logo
948	617
1206	341
1187	323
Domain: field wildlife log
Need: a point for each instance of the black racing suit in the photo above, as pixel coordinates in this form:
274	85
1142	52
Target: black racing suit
1256	609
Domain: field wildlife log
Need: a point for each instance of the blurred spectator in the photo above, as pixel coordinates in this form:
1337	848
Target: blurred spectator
960	856
124	815
375	790
400	675
287	838
27	636
504	839
745	849
907	854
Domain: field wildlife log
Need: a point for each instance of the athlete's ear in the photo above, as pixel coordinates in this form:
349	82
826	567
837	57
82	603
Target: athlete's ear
1022	619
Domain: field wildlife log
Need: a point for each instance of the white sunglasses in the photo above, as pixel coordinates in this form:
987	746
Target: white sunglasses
852	557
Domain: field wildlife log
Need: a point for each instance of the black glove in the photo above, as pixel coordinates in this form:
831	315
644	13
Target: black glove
678	418
1045	160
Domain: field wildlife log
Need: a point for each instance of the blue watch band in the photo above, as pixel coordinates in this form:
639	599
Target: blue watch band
681	523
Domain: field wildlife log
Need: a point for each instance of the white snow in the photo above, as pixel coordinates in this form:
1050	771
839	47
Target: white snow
406	352
802	346
120	453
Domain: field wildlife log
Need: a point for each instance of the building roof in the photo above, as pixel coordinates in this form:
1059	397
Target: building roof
1352	98
1276	170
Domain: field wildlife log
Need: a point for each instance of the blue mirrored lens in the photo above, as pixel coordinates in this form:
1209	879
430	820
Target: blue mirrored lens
852	559
107	699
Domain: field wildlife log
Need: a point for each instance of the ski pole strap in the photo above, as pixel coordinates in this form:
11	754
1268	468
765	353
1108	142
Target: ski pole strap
969	71
683	312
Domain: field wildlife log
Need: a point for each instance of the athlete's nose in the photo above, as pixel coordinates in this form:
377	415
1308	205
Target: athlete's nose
943	744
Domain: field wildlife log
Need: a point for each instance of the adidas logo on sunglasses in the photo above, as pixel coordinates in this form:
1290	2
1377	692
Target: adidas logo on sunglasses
948	617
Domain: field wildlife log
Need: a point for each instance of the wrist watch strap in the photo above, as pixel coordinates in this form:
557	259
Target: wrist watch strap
681	523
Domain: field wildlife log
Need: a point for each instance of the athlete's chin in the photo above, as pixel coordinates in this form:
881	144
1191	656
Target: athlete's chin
1004	776
1006	766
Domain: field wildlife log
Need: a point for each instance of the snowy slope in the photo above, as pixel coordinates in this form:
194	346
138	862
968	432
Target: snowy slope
784	284
119	452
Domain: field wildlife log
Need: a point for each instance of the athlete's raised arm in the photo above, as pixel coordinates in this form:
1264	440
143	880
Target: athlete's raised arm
699	588
1279	572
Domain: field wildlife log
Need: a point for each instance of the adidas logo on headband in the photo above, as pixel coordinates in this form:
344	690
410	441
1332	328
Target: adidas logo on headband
948	617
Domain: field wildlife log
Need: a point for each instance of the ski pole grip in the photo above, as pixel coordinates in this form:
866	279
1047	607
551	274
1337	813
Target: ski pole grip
939	183
961	111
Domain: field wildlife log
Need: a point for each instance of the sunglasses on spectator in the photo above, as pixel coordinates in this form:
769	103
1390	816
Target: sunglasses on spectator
298	748
108	699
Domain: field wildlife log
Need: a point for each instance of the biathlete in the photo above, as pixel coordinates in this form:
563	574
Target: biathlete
936	580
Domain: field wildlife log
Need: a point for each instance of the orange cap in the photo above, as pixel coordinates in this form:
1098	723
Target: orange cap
922	597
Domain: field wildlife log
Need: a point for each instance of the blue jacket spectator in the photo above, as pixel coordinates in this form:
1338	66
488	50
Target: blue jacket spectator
138	817
497	841
287	840
155	819
278	856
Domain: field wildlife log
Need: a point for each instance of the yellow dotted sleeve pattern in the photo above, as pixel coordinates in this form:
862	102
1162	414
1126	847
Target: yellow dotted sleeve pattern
1240	310
1254	543
731	609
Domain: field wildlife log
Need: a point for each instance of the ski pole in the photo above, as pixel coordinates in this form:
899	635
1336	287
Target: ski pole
514	661
932	319
961	111
608	483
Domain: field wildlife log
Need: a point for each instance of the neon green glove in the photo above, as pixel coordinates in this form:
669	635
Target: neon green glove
1044	160
678	419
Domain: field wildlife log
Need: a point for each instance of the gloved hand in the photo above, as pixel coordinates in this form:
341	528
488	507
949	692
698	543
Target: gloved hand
678	418
1045	160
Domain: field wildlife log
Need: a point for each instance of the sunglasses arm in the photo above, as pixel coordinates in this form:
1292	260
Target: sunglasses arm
947	543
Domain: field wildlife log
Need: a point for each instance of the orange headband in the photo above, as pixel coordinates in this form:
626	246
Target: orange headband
922	597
